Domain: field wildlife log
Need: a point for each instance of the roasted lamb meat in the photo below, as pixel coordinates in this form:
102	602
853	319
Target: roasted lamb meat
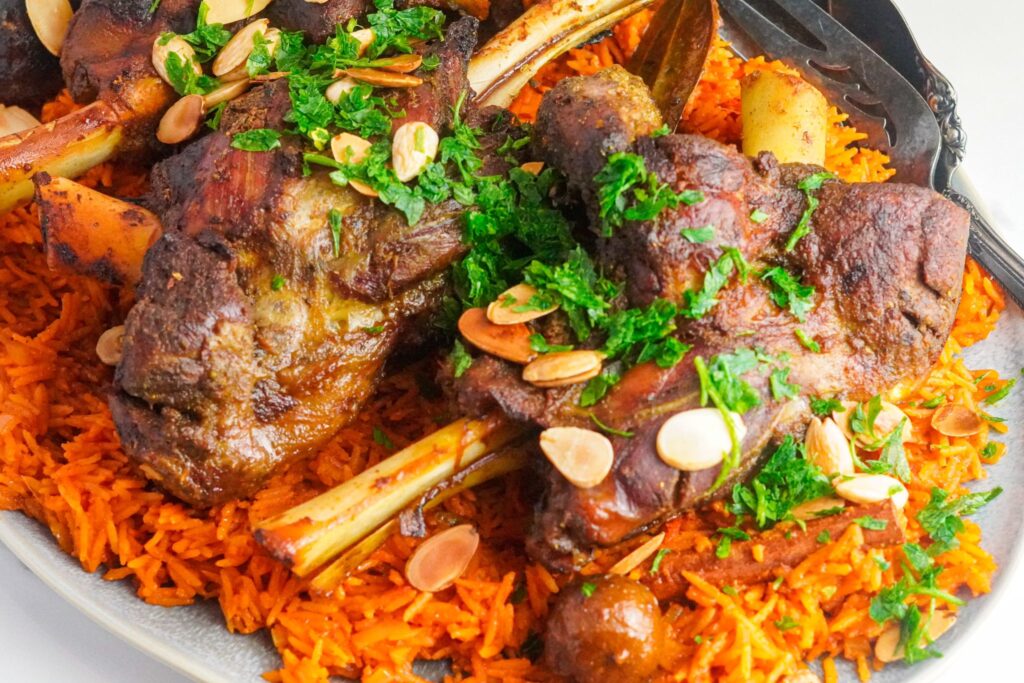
253	340
885	261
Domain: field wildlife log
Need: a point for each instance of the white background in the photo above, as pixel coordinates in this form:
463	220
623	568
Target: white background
974	44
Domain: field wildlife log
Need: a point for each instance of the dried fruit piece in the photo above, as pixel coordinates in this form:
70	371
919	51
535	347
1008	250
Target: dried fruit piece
533	167
413	147
181	120
507	309
50	19
697	439
562	368
956	420
162	49
888	647
110	344
442	558
584	457
872	488
236	51
511	342
827	447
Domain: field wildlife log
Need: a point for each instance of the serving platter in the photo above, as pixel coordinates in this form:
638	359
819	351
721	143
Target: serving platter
193	639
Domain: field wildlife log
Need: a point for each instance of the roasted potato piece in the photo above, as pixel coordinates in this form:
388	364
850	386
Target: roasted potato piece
784	115
91	233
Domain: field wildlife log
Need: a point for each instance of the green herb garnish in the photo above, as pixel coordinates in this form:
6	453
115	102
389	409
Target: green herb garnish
257	140
808	185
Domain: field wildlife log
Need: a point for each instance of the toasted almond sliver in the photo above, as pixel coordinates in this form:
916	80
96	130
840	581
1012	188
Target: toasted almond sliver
365	36
50	19
956	420
637	557
181	120
533	167
338	88
887	647
563	367
15	120
363	189
503	311
872	488
402	64
225	93
230	11
237	50
511	342
176	44
583	456
110	344
827	447
271	76
697	439
348	148
812	508
413	146
383	79
442	558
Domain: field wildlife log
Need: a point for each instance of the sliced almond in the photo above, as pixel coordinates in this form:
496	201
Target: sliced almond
511	342
15	119
872	488
401	64
827	447
889	418
110	345
533	167
583	456
956	420
225	93
348	148
812	509
505	311
888	648
181	120
365	36
162	49
363	189
230	11
237	50
338	88
637	557
697	439
413	148
50	19
381	78
562	368
442	558
271	76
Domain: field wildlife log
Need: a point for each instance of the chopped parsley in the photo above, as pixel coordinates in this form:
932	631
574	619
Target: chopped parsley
786	481
998	396
787	292
698	235
871	523
730	591
181	73
758	216
610	430
934	402
588	589
697	303
807	341
941	517
461	360
729	534
257	140
627	191
539	344
809	186
787	623
597	387
782	389
824	407
260	58
334	220
658	558
207	39
277	283
382	439
824	537
989	450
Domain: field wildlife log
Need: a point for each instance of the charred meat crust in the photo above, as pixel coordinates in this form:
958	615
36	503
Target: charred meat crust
316	20
30	74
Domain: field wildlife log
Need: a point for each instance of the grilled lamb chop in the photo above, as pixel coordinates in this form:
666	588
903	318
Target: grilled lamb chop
251	343
30	74
885	259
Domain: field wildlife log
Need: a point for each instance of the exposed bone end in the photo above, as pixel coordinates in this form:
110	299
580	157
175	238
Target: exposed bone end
67	147
90	233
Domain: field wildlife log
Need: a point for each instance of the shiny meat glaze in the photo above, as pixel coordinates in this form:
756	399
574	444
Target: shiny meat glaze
224	378
886	261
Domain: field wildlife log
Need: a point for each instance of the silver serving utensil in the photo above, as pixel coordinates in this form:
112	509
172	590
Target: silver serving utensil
923	138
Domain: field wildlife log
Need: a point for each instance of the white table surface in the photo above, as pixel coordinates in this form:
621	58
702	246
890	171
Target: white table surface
45	639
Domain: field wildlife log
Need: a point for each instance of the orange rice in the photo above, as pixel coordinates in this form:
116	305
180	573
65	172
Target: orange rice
61	463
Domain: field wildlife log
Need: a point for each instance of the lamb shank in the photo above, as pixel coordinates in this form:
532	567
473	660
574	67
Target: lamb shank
885	262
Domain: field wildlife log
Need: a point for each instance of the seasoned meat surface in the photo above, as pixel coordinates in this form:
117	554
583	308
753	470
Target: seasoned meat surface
30	74
316	20
252	342
886	261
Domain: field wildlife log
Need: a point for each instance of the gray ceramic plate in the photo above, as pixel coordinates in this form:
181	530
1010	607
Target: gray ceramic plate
193	640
